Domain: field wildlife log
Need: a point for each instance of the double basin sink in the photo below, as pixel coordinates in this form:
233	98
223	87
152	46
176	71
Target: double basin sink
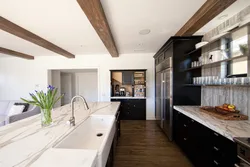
95	133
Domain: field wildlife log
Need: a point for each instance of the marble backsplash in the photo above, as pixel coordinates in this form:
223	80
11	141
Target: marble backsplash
218	95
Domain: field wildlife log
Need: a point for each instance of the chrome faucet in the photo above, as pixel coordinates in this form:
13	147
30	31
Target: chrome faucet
72	119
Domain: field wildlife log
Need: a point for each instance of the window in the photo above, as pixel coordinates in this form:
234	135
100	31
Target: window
239	47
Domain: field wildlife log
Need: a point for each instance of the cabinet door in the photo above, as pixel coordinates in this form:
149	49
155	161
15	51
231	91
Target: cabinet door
181	130
127	77
138	109
224	151
203	146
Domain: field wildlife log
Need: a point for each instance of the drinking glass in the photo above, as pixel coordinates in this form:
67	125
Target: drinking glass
247	82
223	81
195	80
234	82
220	81
216	81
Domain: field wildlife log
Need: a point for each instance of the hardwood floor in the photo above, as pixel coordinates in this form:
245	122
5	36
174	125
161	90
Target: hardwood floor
143	144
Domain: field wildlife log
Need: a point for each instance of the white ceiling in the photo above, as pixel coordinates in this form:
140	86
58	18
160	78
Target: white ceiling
63	23
163	17
232	10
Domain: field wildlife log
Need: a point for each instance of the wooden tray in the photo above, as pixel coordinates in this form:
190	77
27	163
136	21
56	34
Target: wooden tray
224	116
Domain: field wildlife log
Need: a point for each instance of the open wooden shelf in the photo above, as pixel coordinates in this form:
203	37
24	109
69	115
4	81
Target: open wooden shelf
189	53
213	40
215	63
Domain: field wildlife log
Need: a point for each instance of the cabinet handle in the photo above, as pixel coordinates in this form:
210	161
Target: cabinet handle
236	165
216	134
216	149
134	105
216	163
185	125
185	139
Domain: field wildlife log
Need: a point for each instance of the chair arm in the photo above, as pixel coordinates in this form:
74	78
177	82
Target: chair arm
21	116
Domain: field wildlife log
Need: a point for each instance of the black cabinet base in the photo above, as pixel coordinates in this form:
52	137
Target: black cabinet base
132	109
203	146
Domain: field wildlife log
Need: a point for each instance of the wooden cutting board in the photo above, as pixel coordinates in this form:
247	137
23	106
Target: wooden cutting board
228	116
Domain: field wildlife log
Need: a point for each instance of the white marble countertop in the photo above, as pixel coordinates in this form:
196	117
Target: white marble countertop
227	128
23	143
126	97
66	158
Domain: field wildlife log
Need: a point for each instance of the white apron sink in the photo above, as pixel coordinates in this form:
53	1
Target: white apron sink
95	133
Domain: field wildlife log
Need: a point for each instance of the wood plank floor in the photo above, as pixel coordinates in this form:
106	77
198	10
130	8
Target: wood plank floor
143	144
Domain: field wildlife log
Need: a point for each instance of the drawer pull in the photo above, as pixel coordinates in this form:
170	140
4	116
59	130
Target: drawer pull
216	149
185	139
216	134
185	125
216	163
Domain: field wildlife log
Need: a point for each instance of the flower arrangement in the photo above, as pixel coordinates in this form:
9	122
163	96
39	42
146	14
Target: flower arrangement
45	101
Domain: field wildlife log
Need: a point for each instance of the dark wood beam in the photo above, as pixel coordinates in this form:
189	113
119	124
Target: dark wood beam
20	32
206	13
16	54
94	12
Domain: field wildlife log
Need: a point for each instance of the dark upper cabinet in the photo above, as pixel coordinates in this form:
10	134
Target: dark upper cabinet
128	77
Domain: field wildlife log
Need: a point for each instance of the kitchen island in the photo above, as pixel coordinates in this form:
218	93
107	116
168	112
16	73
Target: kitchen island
24	142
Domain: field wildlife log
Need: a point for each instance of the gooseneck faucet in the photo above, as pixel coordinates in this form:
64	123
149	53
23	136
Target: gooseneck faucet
72	119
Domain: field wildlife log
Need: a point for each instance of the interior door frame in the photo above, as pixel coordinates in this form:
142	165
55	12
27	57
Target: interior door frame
99	94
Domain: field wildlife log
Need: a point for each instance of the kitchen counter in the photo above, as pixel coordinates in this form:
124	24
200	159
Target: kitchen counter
227	128
127	97
26	143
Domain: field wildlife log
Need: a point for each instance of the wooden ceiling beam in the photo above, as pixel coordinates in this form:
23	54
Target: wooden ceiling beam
20	32
16	54
209	10
94	12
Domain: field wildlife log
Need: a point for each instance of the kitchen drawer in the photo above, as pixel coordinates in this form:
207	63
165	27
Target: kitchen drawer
203	146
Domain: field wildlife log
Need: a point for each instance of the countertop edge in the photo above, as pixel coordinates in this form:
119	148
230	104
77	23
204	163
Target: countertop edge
207	124
125	97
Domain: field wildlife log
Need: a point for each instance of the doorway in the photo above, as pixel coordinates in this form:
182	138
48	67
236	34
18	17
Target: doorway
71	82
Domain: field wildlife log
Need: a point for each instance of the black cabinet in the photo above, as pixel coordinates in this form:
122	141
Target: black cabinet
132	109
128	77
110	157
203	146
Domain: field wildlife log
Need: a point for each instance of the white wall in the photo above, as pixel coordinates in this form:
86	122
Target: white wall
87	85
66	88
56	82
18	77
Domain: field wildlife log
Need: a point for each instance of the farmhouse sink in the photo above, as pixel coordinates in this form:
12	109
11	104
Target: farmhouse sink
95	133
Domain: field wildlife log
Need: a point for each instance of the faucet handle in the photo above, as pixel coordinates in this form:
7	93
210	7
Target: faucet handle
72	121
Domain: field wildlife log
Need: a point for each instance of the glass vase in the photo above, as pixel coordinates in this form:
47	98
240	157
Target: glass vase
46	117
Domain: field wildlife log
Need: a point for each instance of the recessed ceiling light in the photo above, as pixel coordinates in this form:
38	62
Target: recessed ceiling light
222	17
144	32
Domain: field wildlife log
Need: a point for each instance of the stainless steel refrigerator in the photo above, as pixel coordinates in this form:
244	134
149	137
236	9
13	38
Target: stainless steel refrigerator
164	97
